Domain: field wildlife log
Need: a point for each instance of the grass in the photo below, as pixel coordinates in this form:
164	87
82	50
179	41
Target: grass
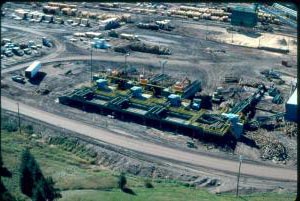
79	180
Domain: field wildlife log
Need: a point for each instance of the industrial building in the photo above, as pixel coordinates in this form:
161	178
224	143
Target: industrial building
291	108
244	16
288	12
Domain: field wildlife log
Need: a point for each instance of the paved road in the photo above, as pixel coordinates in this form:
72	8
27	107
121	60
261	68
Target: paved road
279	174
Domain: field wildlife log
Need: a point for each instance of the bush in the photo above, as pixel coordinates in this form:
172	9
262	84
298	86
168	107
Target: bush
9	125
148	184
28	129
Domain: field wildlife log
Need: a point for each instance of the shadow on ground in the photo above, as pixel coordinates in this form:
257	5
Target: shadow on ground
128	191
38	78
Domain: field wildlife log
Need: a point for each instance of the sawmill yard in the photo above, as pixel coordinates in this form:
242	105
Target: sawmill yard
229	62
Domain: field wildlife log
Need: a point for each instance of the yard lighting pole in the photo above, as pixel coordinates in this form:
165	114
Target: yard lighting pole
162	65
238	178
19	118
126	55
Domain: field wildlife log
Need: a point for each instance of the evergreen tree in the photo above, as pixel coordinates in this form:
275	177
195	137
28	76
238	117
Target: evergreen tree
26	170
4	172
122	181
38	193
51	192
32	181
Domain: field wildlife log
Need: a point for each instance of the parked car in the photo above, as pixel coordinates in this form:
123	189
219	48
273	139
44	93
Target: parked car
23	46
34	47
8	53
27	51
46	42
5	41
17	51
31	43
18	78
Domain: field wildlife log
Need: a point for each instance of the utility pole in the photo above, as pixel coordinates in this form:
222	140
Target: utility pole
19	118
91	63
206	31
238	178
232	34
126	55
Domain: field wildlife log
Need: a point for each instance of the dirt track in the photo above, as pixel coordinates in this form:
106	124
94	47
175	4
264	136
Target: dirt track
273	173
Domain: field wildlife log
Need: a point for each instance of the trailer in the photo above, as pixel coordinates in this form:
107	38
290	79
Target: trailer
33	69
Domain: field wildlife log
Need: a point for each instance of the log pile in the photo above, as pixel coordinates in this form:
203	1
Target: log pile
143	47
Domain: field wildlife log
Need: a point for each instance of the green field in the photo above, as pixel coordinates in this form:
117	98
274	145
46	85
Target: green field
79	179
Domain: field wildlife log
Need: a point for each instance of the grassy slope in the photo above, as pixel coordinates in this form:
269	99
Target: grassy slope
82	181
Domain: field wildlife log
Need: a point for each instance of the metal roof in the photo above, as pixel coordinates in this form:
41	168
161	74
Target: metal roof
285	9
248	9
293	99
33	65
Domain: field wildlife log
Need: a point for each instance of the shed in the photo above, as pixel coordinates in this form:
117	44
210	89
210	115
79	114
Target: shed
101	83
136	91
174	99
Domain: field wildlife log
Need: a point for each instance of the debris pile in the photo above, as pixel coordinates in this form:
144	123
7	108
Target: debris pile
274	151
250	82
270	148
44	90
291	129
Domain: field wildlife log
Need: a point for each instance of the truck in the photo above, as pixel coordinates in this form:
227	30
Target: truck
33	69
46	42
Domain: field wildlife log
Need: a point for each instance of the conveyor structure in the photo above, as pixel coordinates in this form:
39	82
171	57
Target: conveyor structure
156	111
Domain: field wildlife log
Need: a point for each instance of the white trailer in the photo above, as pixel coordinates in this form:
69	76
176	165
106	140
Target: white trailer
33	69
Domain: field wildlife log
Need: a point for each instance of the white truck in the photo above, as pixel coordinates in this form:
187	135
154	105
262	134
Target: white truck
33	69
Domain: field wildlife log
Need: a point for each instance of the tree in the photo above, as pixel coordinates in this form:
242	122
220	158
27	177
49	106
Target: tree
122	181
45	190
51	192
4	172
38	193
32	181
30	173
27	173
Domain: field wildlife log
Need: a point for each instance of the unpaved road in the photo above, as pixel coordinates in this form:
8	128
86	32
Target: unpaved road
273	173
103	57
